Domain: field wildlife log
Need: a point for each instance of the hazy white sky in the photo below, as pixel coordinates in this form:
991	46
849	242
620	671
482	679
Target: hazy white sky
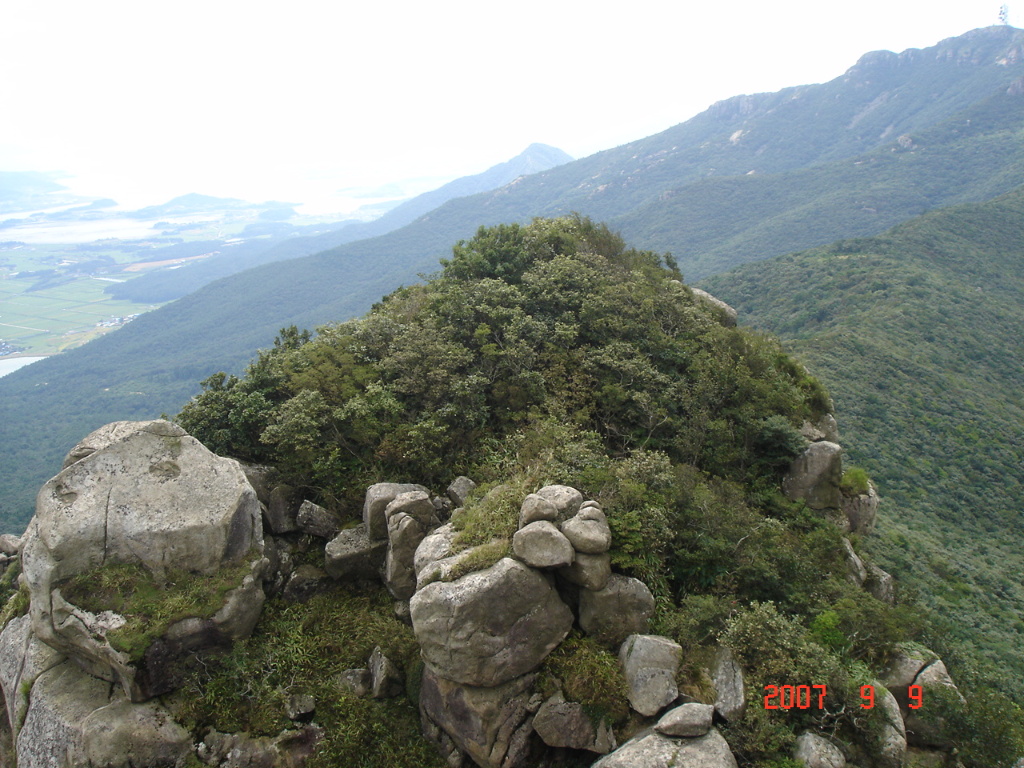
144	100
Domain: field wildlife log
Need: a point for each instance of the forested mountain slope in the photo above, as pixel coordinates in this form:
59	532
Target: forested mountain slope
901	122
917	334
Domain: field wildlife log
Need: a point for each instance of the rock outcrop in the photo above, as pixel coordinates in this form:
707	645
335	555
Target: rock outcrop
131	494
814	476
491	626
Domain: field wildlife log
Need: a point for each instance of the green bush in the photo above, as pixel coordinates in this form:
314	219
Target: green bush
854	482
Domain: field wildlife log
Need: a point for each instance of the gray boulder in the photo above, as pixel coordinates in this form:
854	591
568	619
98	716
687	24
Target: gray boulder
890	741
126	735
561	723
459	490
588	571
649	749
154	497
535	508
317	521
23	658
490	626
727	313
904	665
378	497
619	610
240	750
924	727
352	555
300	706
409	517
730	691
814	476
59	702
861	511
815	752
688	720
541	545
491	725
588	531
650	664
567	500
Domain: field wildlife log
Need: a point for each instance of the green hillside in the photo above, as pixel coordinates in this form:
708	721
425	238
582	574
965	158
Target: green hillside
917	334
656	190
552	353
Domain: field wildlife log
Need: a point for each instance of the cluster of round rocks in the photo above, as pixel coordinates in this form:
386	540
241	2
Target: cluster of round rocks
579	543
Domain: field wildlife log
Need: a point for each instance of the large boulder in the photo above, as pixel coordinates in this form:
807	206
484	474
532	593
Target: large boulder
378	497
889	747
156	497
650	749
561	723
491	626
409	517
588	531
814	476
856	571
619	610
688	720
459	490
814	751
881	584
904	665
541	545
491	725
23	658
148	495
126	735
317	521
725	312
60	700
588	571
535	508
566	499
824	428
730	691
861	511
925	726
352	555
649	664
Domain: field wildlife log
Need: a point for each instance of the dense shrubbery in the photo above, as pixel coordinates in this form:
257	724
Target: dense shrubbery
552	353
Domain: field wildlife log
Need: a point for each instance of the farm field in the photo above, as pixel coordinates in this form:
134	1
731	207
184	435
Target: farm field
52	298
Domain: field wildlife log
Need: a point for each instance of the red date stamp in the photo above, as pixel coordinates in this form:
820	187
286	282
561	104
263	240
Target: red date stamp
806	696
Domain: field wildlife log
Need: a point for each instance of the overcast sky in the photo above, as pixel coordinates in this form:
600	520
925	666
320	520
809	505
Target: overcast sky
142	100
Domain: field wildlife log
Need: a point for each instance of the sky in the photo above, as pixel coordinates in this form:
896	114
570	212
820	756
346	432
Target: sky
319	102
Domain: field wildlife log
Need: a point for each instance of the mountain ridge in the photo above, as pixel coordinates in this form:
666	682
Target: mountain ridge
219	326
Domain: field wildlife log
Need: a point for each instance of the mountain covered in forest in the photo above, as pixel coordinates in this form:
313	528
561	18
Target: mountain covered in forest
749	178
917	335
551	507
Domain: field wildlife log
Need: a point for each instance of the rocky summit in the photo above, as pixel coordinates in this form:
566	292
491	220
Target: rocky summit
550	508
